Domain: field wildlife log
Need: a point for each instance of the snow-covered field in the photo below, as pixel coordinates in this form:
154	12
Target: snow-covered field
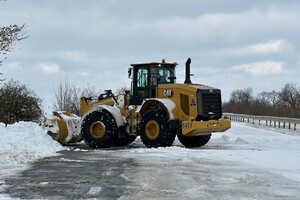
275	151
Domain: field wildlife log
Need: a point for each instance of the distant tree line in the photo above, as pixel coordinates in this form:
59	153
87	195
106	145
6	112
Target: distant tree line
283	103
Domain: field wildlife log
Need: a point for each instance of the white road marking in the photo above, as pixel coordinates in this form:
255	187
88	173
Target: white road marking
44	183
94	190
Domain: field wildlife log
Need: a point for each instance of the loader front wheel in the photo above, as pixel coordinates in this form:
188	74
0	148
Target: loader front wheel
154	130
99	129
194	141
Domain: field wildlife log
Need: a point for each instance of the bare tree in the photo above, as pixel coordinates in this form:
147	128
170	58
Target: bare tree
122	90
273	98
268	98
67	96
290	98
9	36
243	96
263	98
63	95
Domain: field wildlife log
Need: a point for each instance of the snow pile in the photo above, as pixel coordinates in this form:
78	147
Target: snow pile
24	142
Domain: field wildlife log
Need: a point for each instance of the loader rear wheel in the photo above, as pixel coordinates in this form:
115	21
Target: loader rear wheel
99	129
154	130
194	141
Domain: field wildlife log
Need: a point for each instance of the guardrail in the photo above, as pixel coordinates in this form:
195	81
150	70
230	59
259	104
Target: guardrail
280	122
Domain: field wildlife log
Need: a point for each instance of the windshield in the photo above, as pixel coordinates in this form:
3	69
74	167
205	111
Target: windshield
162	75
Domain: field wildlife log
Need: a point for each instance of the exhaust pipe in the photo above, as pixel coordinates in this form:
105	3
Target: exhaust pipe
187	71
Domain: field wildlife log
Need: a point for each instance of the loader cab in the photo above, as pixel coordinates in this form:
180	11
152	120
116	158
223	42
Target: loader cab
145	78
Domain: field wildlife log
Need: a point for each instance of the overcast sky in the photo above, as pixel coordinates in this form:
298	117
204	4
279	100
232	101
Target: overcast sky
232	44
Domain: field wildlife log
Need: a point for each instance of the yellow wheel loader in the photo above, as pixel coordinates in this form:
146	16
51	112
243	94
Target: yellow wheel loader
156	109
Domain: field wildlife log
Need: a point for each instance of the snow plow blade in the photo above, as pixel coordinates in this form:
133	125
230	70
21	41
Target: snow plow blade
197	128
63	127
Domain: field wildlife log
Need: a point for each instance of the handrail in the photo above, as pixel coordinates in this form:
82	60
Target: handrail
269	120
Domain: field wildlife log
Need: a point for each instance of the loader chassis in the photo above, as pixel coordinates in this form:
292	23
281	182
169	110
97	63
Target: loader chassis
156	109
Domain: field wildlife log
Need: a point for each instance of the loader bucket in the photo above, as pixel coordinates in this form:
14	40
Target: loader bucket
63	127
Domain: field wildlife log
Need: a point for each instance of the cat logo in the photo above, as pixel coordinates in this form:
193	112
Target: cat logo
168	93
193	102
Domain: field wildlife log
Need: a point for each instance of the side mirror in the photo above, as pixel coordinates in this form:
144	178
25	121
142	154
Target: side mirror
129	72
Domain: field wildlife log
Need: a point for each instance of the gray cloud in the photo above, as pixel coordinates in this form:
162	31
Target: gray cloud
233	44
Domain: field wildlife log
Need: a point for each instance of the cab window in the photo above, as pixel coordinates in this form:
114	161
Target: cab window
164	75
142	75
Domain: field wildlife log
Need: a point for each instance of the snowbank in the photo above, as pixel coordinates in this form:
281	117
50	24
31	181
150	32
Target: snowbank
24	142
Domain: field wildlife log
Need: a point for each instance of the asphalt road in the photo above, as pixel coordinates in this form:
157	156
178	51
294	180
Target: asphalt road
134	172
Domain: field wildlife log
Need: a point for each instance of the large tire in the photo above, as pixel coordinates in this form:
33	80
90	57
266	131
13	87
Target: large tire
194	141
154	130
128	139
172	136
99	129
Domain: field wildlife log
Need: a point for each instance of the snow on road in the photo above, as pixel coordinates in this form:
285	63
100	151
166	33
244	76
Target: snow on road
22	143
273	151
276	150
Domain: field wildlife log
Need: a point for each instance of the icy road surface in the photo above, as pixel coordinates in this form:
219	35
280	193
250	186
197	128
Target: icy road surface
243	163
